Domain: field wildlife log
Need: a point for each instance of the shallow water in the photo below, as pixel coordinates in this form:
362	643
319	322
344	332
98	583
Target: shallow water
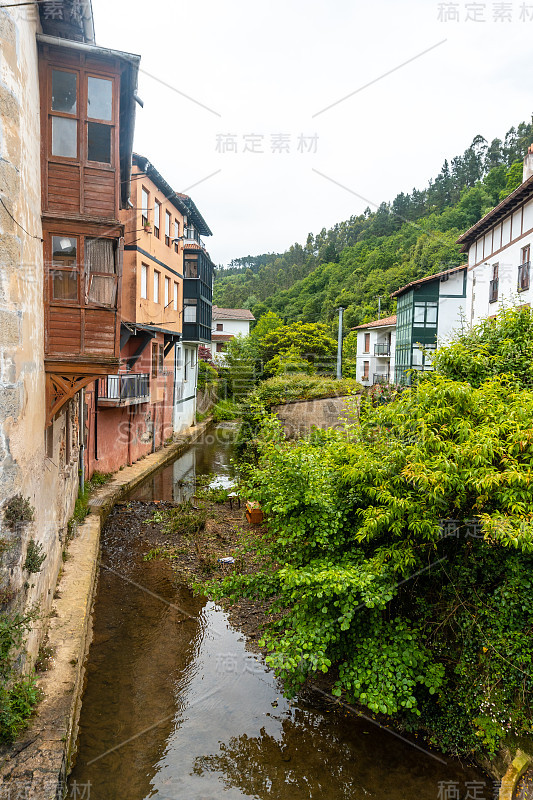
176	708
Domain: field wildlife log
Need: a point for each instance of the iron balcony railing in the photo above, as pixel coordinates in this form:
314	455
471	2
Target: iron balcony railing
124	390
523	277
380	378
382	349
190	235
493	290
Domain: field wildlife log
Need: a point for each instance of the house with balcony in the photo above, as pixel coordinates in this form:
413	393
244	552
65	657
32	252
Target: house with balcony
428	312
375	351
499	252
228	323
153	394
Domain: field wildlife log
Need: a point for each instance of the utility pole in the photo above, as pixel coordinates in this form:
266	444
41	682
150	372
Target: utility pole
339	345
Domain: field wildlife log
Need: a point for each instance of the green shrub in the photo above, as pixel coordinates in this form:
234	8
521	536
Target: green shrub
225	410
18	511
18	694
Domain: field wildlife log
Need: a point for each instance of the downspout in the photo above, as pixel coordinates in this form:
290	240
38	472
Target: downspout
81	439
96	390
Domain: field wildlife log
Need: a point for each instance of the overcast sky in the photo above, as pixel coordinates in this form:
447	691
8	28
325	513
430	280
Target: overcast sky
266	69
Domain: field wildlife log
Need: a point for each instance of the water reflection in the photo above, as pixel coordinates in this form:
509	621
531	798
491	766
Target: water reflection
177	708
210	454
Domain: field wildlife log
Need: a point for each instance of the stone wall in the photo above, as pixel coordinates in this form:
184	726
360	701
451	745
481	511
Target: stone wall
329	412
44	471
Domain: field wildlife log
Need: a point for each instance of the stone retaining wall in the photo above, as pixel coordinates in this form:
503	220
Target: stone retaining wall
328	412
37	766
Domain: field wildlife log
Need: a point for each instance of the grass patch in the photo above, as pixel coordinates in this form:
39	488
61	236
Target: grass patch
290	388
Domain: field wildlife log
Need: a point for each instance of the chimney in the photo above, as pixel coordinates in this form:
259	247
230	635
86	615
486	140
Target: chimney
528	164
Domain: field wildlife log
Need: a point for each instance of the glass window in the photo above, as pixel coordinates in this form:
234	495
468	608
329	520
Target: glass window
65	284
100	271
419	314
144	281
156	286
417	357
431	315
64	90
100	98
99	142
167	292
175	296
189	311
64	251
144	205
64	137
157	217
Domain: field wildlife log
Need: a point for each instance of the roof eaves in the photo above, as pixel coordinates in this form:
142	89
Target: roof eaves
497	212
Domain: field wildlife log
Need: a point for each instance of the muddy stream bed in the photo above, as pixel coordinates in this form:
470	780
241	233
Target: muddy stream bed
177	706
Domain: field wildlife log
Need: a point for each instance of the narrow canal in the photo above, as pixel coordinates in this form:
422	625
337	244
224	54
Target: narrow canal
176	707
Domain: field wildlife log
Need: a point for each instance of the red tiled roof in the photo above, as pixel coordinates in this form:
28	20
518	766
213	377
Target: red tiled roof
232	313
377	323
428	278
515	198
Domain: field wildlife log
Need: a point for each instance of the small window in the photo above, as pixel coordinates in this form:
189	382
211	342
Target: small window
431	315
99	142
220	326
144	282
64	272
100	99
367	343
155	355
167	292
157	218
190	266
161	359
189	311
64	91
176	290
168	221
145	198
419	313
156	286
100	272
220	347
366	370
176	235
64	137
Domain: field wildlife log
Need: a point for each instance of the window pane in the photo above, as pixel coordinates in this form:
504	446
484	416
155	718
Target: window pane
157	214
100	255
64	91
167	223
156	287
64	284
64	137
99	142
167	291
144	203
189	312
431	315
419	314
100	99
102	290
144	281
175	297
64	251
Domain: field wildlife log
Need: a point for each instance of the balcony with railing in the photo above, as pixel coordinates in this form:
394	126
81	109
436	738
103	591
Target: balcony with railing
523	276
382	349
380	378
191	236
493	290
124	390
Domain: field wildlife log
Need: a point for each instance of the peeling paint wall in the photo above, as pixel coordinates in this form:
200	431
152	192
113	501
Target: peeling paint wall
41	468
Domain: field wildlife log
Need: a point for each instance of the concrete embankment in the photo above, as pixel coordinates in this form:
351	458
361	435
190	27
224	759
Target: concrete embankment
37	766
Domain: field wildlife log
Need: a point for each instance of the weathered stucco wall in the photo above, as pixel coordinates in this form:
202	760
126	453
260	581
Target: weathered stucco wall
49	483
329	412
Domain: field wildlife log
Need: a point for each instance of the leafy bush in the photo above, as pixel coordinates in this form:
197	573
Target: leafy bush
501	346
401	551
225	410
18	694
207	376
18	511
35	557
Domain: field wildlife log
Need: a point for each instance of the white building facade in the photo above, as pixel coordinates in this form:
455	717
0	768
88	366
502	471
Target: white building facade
376	344
499	252
228	323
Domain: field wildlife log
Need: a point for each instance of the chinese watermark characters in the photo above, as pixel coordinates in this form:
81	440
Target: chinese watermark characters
273	143
499	12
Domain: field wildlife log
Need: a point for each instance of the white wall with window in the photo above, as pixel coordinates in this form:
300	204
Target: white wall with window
375	352
186	385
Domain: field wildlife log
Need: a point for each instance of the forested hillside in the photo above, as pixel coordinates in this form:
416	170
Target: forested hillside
371	255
